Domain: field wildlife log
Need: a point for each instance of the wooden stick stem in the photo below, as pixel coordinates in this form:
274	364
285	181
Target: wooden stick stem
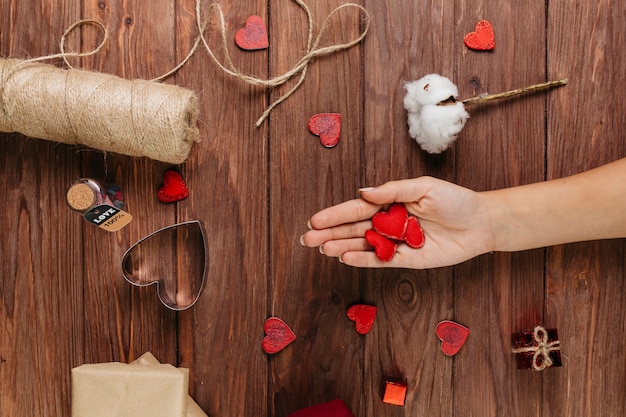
516	92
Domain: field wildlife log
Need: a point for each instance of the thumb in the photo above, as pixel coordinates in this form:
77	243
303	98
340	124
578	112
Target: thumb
401	191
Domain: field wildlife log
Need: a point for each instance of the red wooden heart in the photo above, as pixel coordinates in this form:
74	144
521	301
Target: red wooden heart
327	126
253	36
392	223
385	248
363	316
174	187
483	39
414	235
452	336
277	335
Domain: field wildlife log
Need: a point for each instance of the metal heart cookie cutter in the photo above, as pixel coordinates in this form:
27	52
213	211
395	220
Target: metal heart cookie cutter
175	259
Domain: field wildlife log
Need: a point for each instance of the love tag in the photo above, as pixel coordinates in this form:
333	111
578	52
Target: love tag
253	36
327	126
363	316
452	336
482	39
278	335
108	217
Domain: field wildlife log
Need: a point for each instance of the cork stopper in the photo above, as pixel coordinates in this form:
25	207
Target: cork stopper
80	196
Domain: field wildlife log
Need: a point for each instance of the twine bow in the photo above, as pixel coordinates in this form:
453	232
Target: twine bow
541	351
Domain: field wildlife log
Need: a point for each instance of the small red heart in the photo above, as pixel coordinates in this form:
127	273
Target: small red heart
278	335
414	235
327	126
253	36
385	248
452	336
483	39
174	187
363	316
392	223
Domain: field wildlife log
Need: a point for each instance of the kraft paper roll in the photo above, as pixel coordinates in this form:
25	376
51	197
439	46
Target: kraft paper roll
100	111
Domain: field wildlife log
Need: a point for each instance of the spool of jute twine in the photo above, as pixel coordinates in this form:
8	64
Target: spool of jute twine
100	111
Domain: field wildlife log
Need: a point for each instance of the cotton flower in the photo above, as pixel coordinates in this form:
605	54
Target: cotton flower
435	116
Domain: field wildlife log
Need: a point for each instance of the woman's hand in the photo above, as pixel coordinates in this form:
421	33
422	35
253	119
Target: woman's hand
455	221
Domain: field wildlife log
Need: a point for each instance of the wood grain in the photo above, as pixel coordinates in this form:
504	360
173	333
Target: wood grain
64	302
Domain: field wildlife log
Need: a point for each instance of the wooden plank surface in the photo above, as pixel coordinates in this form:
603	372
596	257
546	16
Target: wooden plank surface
63	301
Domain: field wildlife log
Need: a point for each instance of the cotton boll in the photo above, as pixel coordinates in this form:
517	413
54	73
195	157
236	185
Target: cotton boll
434	122
430	89
437	126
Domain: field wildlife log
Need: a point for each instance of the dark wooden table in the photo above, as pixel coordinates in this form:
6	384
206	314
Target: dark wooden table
63	301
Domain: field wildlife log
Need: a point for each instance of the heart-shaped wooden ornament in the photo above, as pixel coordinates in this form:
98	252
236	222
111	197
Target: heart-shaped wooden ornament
392	223
253	36
278	335
384	247
363	316
482	39
452	336
327	126
174	187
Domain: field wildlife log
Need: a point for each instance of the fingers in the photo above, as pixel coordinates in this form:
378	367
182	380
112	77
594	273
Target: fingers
348	212
314	237
402	191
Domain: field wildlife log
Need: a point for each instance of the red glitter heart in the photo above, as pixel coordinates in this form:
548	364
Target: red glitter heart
392	223
452	336
363	316
327	126
253	36
174	187
385	248
414	235
483	39
278	335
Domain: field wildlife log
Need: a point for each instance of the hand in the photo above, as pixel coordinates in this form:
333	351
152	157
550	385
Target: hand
455	221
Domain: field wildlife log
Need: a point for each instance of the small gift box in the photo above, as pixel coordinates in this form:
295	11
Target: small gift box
537	349
142	388
334	408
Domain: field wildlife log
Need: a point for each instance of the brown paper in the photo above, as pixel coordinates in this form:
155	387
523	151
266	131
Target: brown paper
121	390
193	409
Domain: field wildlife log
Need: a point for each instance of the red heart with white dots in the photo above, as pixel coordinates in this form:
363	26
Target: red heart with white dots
452	336
253	36
363	316
174	187
384	247
278	335
327	126
483	39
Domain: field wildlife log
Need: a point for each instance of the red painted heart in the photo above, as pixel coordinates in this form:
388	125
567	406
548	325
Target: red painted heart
174	187
414	235
327	126
483	39
253	36
363	316
452	336
385	248
392	223
277	335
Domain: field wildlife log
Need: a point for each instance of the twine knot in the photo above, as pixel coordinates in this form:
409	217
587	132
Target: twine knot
541	351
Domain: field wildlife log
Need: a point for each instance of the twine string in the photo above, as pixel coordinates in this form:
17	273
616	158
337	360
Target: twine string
313	50
541	351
